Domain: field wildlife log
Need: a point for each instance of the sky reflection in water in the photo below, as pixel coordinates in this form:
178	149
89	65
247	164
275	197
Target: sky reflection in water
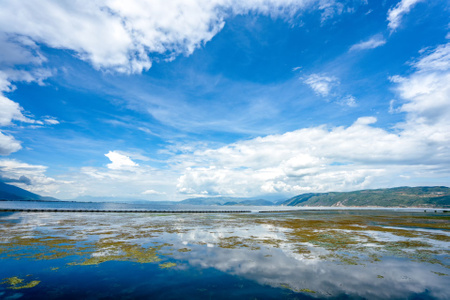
367	254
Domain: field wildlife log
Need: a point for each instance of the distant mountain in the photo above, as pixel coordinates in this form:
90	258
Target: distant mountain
118	200
226	201
256	202
11	192
436	196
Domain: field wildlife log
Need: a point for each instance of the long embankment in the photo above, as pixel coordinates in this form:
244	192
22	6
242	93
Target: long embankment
125	211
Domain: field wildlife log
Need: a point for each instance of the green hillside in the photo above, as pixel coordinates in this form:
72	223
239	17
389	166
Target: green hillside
437	196
11	192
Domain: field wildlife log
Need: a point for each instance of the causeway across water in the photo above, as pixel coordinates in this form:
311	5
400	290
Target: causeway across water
126	211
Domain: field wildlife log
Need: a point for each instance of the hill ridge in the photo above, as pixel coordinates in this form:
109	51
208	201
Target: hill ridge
404	196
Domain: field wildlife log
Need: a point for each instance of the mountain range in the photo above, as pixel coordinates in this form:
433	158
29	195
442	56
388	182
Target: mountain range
435	196
12	192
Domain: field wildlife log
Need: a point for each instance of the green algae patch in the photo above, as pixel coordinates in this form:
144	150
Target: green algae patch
380	276
307	291
439	273
184	250
16	283
26	286
12	280
304	290
167	265
120	251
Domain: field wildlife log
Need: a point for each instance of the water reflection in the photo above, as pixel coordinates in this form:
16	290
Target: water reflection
323	255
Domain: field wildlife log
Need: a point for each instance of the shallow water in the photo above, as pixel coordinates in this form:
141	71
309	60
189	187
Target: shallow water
376	254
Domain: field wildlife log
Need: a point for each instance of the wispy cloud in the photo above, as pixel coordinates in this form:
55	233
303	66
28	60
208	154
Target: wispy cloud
321	84
374	42
396	13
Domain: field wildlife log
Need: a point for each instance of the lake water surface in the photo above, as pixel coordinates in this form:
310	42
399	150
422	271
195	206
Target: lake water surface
326	254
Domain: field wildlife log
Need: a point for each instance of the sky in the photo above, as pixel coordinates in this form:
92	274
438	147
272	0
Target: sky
173	99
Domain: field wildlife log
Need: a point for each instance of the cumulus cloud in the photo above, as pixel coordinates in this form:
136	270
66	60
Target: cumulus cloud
311	159
358	156
396	13
128	37
374	42
22	179
9	111
321	84
8	144
31	177
119	161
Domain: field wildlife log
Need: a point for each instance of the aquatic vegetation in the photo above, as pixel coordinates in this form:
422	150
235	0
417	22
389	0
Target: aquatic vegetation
439	273
12	280
307	291
15	283
167	265
302	290
184	250
121	251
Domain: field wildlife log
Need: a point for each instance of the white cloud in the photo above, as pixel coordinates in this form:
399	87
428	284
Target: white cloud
126	37
152	192
321	84
341	158
348	100
19	50
8	144
301	161
437	60
330	9
15	170
395	14
374	42
9	111
51	121
119	161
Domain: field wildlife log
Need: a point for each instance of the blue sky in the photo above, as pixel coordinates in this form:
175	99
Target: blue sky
165	100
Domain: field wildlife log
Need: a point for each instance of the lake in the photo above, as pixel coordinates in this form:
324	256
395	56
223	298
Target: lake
304	254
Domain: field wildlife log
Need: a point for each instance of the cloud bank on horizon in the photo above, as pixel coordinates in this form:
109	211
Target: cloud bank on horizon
168	99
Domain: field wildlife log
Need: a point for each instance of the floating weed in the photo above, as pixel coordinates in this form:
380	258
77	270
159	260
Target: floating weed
29	285
380	276
184	250
307	291
16	283
167	265
121	251
303	290
439	273
12	280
